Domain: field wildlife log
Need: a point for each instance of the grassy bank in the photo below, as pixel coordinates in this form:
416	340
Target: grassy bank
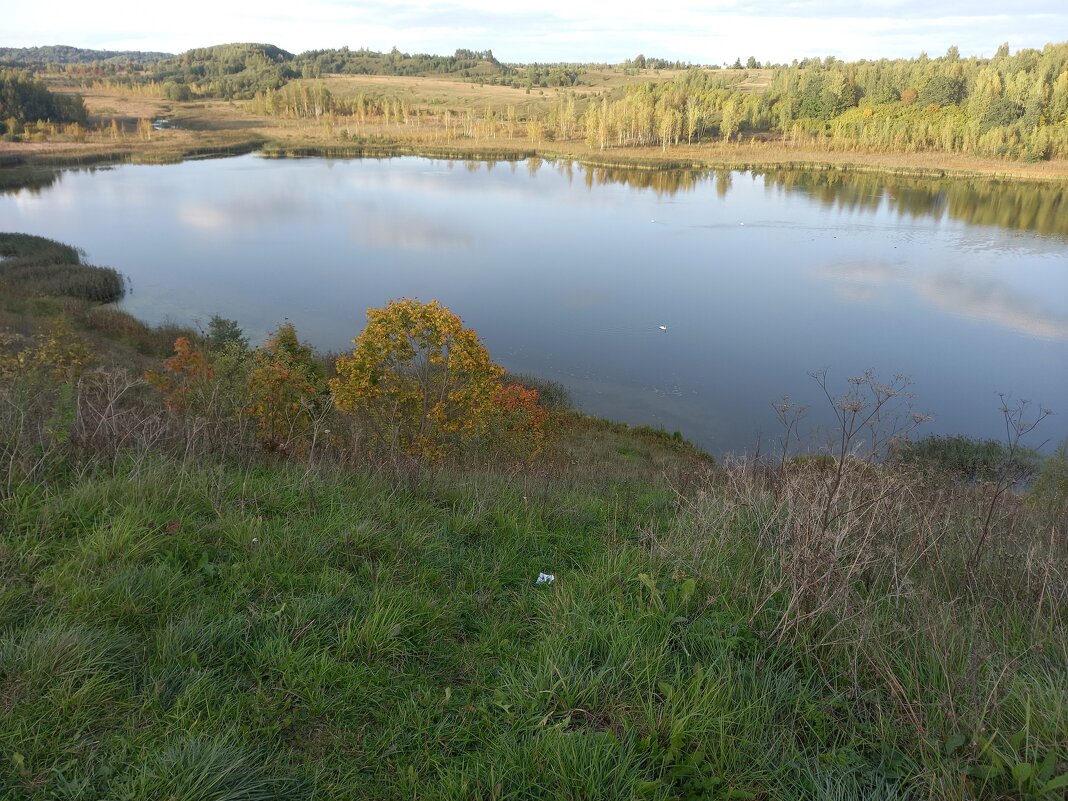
185	615
201	628
302	142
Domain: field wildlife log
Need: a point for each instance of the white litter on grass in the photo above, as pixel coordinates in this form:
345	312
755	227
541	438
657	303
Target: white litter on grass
545	578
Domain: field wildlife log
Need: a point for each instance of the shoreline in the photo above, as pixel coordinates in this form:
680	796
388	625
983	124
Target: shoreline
743	157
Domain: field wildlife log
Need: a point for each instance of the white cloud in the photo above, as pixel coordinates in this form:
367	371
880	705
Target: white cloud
549	30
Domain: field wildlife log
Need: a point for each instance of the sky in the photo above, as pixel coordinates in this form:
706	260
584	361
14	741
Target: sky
697	31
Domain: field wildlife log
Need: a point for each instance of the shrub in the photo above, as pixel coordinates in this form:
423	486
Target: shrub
517	425
186	383
58	353
222	332
1050	487
964	458
551	394
420	380
285	387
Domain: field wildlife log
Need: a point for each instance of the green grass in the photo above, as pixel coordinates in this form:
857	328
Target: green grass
216	631
33	266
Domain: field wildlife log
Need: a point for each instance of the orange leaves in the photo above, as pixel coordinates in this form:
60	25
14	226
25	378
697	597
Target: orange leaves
280	386
519	420
187	373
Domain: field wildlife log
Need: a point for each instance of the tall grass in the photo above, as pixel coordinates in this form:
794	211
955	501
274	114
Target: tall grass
34	266
182	616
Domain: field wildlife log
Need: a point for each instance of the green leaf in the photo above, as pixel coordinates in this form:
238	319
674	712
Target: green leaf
1022	772
1048	765
1059	783
687	590
983	771
953	742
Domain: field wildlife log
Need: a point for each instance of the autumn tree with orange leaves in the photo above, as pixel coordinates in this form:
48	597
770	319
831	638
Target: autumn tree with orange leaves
186	378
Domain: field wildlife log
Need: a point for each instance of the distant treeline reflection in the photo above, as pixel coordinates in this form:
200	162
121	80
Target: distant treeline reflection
1025	206
32	179
1018	205
1008	204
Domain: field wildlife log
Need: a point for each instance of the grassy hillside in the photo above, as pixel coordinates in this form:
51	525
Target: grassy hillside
185	615
206	629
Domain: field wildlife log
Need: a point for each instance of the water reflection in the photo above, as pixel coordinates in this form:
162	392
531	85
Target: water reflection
405	231
1036	207
1024	206
971	297
1039	207
993	302
30	179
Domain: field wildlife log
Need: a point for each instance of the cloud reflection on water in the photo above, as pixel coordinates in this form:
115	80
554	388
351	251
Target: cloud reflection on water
409	232
976	298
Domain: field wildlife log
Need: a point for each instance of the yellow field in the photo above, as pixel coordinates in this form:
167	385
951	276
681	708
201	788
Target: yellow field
455	92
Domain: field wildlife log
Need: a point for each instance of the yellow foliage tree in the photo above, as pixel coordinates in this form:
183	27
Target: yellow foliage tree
285	389
421	379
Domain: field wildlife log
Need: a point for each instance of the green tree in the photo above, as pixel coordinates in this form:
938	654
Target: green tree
222	332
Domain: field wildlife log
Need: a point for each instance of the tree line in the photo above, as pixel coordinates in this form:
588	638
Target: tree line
62	55
1012	106
24	99
1007	106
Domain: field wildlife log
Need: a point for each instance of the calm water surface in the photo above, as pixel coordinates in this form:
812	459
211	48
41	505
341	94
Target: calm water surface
569	273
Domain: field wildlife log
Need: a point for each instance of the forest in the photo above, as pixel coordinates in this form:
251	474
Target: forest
1011	106
24	99
57	55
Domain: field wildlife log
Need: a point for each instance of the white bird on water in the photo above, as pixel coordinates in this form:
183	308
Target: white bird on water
662	327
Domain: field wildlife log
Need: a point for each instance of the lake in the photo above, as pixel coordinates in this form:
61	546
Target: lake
570	273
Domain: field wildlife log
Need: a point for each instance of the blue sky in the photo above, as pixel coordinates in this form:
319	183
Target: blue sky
712	31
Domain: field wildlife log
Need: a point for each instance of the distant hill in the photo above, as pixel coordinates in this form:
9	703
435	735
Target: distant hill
370	62
234	52
231	71
64	54
239	70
